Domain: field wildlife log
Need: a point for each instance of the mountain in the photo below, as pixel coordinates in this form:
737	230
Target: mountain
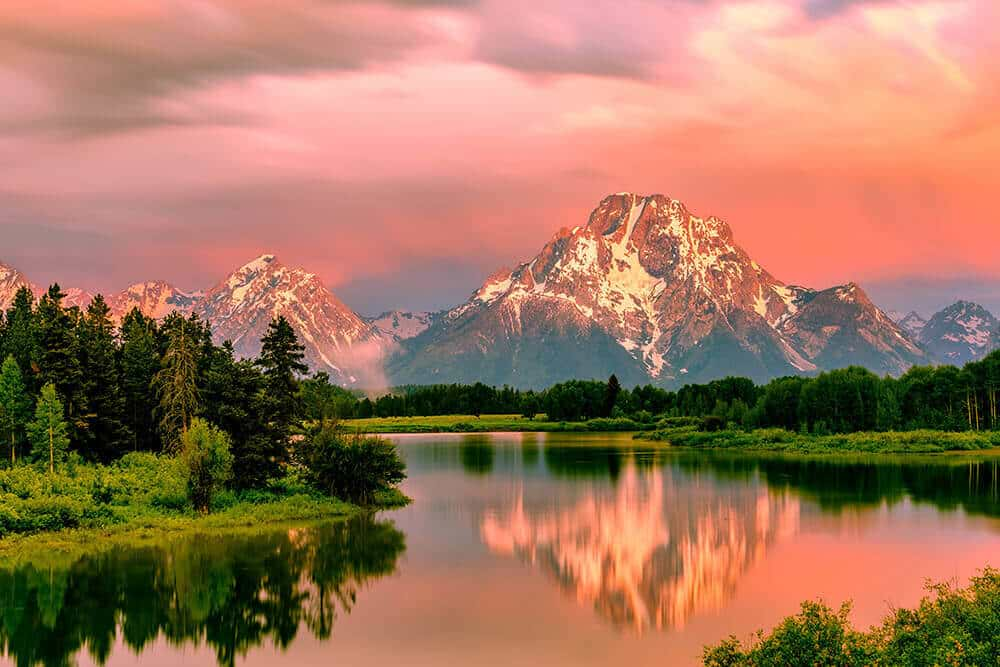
11	280
154	299
961	333
651	292
400	325
336	339
912	323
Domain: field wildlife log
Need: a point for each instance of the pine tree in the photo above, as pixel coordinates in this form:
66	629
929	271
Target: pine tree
108	435
140	363
49	433
21	339
59	359
231	396
281	363
177	387
15	405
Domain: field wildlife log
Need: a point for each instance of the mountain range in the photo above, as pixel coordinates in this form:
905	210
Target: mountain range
645	289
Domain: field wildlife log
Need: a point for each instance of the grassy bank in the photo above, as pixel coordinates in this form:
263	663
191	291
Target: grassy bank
141	495
490	424
779	440
952	626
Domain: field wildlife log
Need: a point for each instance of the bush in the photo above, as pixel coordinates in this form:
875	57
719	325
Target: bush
352	467
205	453
953	627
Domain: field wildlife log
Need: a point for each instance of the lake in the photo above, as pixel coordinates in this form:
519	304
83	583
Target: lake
526	549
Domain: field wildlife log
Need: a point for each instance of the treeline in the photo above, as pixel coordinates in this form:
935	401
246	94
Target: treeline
72	383
841	401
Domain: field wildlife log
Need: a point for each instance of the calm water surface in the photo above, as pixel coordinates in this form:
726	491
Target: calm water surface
526	550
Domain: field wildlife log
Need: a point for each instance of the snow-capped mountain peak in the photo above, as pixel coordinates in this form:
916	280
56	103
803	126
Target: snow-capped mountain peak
648	279
11	280
962	332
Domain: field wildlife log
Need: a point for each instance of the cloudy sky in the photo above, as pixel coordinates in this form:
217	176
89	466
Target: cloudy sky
405	149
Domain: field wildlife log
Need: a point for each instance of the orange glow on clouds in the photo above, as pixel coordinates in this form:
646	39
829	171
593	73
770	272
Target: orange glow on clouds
372	140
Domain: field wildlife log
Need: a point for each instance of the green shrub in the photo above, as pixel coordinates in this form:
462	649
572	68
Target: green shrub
951	627
206	456
352	467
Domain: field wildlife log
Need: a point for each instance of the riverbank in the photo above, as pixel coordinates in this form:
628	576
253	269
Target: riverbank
140	497
779	440
490	424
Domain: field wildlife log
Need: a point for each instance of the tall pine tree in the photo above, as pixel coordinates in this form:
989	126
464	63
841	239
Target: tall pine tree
140	361
21	339
177	386
48	432
59	359
280	361
15	405
106	431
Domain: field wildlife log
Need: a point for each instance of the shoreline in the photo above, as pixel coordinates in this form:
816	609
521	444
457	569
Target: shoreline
149	528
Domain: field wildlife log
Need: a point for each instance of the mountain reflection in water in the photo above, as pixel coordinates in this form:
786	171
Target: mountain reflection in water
653	550
227	592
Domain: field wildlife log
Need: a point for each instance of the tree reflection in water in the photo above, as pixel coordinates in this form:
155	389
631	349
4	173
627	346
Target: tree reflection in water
227	592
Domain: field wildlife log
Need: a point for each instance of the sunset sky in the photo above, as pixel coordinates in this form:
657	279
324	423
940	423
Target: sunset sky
405	149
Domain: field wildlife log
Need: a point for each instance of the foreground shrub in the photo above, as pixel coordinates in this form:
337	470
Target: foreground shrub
351	466
206	456
952	627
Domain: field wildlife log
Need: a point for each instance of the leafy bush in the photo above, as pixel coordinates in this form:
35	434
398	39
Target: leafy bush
352	467
205	453
952	627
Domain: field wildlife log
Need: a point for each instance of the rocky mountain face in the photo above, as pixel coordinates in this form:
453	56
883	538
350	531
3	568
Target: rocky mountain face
652	292
912	323
961	333
336	339
155	299
11	280
400	325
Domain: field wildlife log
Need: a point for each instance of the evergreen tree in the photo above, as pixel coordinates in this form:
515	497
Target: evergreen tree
281	363
140	361
59	359
177	388
108	435
231	396
48	432
15	405
21	336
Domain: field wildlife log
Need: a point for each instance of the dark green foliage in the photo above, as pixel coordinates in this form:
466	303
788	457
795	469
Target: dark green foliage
280	362
611	394
20	336
60	359
140	362
952	627
107	436
352	466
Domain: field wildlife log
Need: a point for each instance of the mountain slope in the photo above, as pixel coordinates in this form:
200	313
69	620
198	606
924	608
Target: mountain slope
11	280
336	339
912	323
961	333
400	325
154	299
652	292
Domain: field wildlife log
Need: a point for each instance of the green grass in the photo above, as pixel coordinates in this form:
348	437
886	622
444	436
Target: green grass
779	440
487	424
137	497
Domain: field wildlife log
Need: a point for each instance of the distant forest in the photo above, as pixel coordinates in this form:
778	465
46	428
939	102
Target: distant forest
841	401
